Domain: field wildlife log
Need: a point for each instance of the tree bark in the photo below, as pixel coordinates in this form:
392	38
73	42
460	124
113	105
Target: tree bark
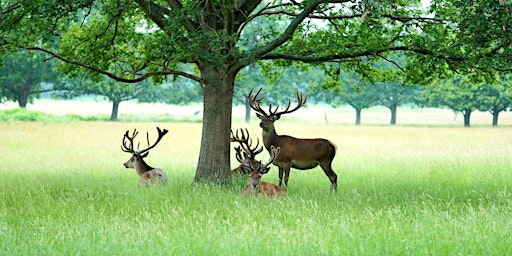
495	115
467	117
115	109
214	156
358	116
495	118
23	95
393	114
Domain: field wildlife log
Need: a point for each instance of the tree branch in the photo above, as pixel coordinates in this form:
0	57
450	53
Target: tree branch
337	57
286	35
9	9
111	75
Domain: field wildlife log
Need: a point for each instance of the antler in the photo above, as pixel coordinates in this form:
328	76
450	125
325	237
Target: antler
274	152
129	148
124	146
255	102
246	142
243	160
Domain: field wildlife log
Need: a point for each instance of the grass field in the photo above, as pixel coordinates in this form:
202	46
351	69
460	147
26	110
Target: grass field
404	190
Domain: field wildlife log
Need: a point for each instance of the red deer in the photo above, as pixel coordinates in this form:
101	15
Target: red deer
246	144
300	154
255	172
147	174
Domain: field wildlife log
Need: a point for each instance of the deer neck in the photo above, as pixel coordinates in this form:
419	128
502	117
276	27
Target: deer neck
141	167
270	137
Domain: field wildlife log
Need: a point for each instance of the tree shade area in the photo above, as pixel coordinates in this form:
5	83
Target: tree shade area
131	41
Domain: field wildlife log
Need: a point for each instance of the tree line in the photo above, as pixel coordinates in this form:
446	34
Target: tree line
25	76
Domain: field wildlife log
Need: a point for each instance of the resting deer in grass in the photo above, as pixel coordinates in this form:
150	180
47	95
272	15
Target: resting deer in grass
147	174
300	154
246	144
255	170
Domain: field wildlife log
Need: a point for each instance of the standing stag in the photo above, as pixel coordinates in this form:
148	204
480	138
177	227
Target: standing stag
255	170
147	174
300	154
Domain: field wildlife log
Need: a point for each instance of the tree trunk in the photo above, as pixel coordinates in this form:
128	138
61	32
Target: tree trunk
23	94
247	110
115	109
467	116
214	156
495	115
393	114
358	116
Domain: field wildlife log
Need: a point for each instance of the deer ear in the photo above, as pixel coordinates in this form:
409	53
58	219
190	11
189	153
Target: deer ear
276	117
147	153
264	170
258	115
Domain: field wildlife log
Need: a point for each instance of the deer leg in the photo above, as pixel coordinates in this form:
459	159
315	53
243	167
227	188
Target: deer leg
280	175
331	174
286	176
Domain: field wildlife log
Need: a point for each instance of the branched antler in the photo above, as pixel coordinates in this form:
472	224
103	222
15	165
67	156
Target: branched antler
263	168
246	142
129	147
255	101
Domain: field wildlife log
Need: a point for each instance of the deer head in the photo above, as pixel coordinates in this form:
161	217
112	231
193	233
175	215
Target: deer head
273	114
255	169
136	161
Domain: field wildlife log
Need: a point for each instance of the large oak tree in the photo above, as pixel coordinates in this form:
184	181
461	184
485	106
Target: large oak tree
131	40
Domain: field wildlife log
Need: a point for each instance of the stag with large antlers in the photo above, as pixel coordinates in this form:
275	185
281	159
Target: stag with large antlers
255	170
297	153
147	174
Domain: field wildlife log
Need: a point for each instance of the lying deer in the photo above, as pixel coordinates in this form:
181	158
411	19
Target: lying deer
255	172
147	174
300	154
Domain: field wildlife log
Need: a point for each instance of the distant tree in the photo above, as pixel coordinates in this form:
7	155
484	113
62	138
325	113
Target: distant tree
23	75
351	91
116	92
459	94
393	94
179	92
175	92
250	77
495	97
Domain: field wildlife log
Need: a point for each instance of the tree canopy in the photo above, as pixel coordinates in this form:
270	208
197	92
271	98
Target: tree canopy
25	75
132	40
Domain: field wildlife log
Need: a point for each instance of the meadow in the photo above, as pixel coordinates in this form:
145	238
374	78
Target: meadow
402	190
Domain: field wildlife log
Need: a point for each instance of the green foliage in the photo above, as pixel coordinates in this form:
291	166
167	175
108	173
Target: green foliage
497	96
22	76
474	33
458	94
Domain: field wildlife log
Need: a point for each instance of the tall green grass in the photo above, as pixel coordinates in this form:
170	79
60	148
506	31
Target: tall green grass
401	191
